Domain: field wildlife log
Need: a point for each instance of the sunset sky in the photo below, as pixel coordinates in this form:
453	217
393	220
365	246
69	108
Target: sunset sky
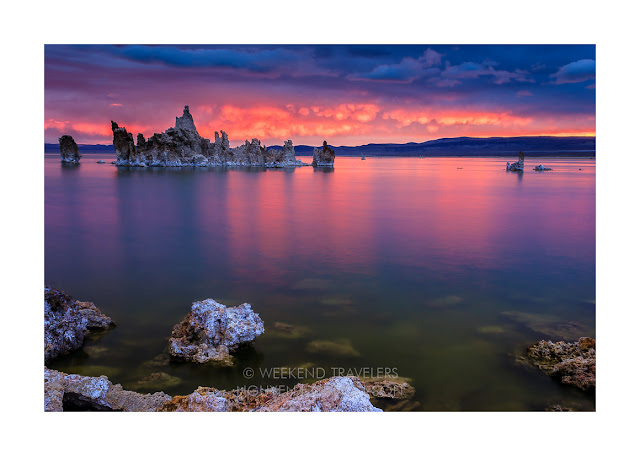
348	95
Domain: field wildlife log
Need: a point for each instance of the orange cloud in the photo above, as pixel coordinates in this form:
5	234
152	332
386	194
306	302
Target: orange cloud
340	124
269	122
448	118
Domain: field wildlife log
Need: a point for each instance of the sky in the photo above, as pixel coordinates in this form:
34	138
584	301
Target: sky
345	94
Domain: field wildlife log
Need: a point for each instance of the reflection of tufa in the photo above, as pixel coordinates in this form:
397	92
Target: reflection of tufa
517	166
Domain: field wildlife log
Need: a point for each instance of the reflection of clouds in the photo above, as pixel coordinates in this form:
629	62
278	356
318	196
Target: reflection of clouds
312	284
336	301
445	301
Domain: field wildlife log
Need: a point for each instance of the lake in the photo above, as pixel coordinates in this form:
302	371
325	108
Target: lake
443	269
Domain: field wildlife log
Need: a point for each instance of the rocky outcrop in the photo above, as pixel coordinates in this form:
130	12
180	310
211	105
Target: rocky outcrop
70	392
123	144
182	145
67	322
324	156
517	166
69	152
76	392
574	363
542	168
336	394
211	330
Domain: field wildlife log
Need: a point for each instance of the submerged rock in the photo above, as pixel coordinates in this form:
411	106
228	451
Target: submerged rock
75	392
211	330
340	347
547	325
157	381
182	145
67	322
324	156
574	363
289	331
542	168
69	152
517	166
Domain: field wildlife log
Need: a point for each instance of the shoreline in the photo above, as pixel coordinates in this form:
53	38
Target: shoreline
529	154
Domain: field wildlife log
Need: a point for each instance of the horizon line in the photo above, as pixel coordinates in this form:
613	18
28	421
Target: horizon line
557	135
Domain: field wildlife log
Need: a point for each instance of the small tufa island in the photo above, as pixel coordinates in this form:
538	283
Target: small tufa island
211	330
69	152
324	156
182	145
517	166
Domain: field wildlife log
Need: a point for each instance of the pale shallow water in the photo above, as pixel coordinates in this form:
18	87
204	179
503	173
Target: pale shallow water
411	262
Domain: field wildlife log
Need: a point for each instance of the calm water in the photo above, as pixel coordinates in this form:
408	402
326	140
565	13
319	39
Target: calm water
402	263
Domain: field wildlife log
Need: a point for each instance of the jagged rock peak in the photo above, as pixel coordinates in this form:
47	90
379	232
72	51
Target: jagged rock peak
186	121
122	143
182	145
68	149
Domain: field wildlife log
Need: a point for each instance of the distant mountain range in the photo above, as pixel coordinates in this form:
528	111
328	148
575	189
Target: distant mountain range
559	146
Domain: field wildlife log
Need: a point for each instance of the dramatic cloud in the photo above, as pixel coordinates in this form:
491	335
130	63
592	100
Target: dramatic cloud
579	71
348	95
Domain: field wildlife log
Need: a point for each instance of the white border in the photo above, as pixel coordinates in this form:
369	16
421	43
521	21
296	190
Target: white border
612	26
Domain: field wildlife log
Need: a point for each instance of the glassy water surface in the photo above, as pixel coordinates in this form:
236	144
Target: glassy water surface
443	269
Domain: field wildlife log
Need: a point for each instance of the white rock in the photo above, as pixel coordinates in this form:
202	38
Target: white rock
211	330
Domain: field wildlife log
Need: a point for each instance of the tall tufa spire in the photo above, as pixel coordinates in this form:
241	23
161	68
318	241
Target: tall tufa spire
186	121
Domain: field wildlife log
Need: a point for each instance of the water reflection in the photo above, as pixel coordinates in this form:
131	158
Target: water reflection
412	262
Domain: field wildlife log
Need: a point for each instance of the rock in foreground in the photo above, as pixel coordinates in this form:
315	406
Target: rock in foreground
211	330
182	145
69	152
68	392
574	363
324	156
67	322
336	394
75	392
